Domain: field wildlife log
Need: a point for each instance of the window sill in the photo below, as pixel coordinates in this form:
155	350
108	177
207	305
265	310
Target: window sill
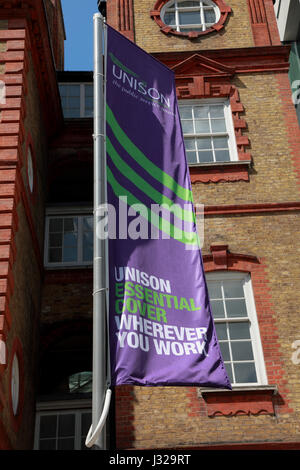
216	172
247	388
220	164
63	402
248	400
65	267
78	118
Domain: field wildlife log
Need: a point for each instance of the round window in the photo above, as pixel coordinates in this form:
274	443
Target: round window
185	16
81	382
15	384
30	170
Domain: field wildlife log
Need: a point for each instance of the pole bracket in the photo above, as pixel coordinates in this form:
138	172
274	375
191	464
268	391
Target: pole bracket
100	290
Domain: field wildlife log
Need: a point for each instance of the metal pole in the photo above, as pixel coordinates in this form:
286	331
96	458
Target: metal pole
100	244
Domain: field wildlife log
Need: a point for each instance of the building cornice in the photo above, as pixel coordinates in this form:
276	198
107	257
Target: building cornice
246	209
241	60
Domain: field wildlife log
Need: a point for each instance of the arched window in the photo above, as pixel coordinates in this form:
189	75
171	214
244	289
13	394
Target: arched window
64	407
81	382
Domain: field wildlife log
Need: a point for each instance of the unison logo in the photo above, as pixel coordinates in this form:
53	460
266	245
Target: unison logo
130	79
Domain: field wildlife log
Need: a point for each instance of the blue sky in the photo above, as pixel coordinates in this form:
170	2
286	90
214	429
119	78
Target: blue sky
78	17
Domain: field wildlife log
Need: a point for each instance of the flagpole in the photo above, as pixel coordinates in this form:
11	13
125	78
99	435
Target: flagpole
96	437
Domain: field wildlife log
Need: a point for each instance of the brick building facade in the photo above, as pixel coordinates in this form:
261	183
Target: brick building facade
243	145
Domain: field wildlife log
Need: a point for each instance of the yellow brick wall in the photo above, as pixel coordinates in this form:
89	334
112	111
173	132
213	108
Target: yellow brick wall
273	177
164	424
161	415
237	31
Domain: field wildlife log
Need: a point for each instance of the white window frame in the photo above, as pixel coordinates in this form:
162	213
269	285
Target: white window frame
232	145
65	213
277	6
82	86
76	407
178	5
252	319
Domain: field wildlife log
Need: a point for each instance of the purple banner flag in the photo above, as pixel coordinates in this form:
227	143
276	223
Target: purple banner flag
161	327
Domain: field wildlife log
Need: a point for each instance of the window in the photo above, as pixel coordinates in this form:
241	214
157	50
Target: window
62	429
233	309
30	172
77	99
190	19
15	384
81	382
186	16
69	240
208	131
294	74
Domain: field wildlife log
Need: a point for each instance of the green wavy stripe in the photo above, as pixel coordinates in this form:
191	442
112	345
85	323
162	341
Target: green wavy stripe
141	159
141	184
188	238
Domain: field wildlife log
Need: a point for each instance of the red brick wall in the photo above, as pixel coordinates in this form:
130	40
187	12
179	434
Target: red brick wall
11	140
23	124
120	17
124	412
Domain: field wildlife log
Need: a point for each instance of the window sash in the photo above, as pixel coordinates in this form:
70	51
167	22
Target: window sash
77	435
178	7
228	133
79	245
82	100
234	357
250	319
